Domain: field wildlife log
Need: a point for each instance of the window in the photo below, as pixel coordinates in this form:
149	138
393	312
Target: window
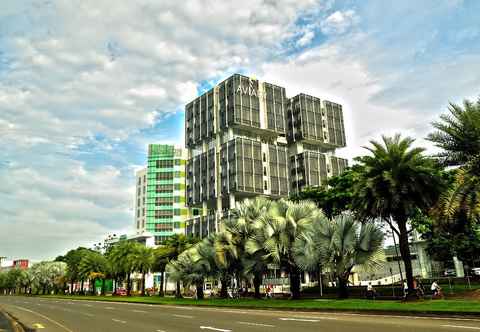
165	163
165	176
138	213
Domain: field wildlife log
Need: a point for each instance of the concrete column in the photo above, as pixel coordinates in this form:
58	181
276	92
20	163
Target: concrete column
458	267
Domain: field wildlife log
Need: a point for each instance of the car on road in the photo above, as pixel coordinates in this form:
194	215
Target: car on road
449	273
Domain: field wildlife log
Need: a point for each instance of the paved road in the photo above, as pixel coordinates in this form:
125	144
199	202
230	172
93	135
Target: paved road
57	315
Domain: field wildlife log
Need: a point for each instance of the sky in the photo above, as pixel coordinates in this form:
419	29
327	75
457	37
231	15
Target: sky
85	85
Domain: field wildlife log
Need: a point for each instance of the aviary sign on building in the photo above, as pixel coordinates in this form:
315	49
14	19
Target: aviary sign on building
246	138
160	197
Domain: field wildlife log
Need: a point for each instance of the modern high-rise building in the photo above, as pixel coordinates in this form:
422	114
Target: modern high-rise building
246	138
160	196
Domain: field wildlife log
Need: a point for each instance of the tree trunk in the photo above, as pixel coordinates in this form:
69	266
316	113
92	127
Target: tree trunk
178	292
199	286
143	284
115	280
343	287
129	284
257	282
103	286
162	280
294	282
71	286
81	287
224	288
405	252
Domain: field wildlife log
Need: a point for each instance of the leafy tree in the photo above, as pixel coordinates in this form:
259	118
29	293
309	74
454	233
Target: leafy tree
144	260
340	244
161	256
396	181
122	258
275	234
72	258
174	246
94	266
337	196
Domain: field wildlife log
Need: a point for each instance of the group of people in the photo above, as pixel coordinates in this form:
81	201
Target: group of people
418	287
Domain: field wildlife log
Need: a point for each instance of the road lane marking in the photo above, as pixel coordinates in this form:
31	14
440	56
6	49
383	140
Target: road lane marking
256	324
142	311
462	327
301	320
45	317
161	331
182	316
214	329
38	326
119	321
110	308
87	305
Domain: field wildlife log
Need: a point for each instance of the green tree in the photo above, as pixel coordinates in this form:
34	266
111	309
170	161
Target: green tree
122	258
340	245
161	256
144	260
174	246
337	196
396	181
94	266
275	234
458	135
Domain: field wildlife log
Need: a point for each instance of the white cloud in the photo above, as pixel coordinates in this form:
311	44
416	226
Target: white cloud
339	22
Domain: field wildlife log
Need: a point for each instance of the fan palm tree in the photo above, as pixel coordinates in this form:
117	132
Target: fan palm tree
275	234
340	244
396	181
458	135
143	260
241	226
160	261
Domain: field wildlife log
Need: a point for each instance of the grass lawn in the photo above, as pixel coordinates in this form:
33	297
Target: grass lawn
426	306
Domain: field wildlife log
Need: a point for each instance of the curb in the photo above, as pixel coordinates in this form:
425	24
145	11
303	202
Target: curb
432	314
16	327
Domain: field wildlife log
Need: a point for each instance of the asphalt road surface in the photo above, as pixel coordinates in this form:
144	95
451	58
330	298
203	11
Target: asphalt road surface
44	315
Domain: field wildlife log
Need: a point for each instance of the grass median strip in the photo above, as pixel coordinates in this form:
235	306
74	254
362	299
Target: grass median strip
425	306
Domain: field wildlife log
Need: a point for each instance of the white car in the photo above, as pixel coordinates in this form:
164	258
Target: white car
476	271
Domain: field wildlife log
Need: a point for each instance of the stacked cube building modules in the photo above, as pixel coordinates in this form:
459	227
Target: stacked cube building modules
246	138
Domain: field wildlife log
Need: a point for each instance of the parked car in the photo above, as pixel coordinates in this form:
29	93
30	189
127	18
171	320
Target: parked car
476	271
449	273
121	292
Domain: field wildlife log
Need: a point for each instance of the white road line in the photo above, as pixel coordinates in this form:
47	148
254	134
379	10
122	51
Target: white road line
161	331
87	305
182	316
213	329
110	308
142	311
256	324
119	321
45	317
301	320
462	327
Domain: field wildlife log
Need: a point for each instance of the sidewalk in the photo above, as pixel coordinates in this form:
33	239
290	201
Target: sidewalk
7	324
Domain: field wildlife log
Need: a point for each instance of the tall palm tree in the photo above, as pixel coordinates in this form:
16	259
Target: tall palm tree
174	246
275	234
122	256
143	260
94	266
458	135
396	181
160	261
340	244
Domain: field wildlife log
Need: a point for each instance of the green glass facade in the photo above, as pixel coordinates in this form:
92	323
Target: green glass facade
165	202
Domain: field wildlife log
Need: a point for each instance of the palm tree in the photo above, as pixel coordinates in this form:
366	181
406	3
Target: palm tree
174	246
160	260
275	234
122	257
396	181
340	244
143	260
458	135
94	266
